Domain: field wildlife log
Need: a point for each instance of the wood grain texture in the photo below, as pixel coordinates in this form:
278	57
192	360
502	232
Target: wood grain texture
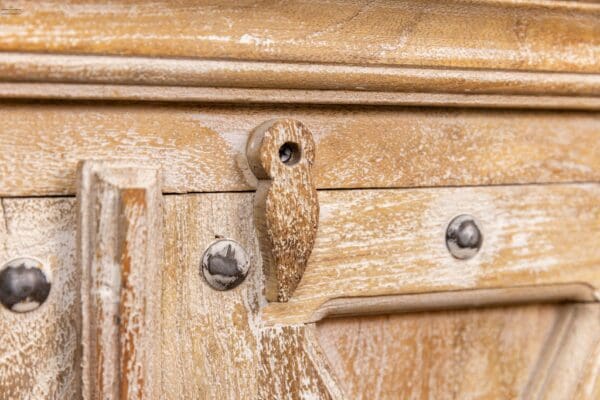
570	365
286	208
58	68
120	252
524	35
142	93
392	242
468	354
202	149
213	342
40	353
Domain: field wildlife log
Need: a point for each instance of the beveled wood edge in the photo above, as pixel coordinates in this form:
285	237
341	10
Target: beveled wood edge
180	94
449	300
147	71
120	215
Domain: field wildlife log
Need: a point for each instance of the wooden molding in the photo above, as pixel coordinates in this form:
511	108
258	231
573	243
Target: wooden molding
530	35
81	69
285	97
120	251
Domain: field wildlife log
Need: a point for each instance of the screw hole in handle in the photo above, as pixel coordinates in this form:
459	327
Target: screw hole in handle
290	153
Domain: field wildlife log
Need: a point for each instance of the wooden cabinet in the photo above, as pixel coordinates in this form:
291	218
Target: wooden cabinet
125	167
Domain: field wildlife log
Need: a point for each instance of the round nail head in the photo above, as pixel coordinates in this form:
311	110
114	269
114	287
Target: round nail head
463	237
225	264
24	286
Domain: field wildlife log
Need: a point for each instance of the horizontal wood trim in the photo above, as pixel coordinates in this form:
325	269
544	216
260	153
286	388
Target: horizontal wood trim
22	67
139	93
521	35
452	300
391	242
202	149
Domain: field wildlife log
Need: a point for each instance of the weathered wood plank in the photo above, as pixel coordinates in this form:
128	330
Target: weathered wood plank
526	35
120	251
467	354
40	355
202	149
392	242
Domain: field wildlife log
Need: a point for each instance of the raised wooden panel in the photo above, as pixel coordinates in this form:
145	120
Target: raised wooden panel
40	356
202	149
521	352
525	35
392	242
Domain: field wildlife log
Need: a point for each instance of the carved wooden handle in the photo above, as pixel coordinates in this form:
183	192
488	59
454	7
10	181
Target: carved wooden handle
281	154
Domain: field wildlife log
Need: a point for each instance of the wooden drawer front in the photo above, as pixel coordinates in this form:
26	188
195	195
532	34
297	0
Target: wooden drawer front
370	243
202	149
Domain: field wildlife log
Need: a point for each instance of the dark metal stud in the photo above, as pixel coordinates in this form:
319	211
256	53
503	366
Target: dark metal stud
225	264
24	286
464	237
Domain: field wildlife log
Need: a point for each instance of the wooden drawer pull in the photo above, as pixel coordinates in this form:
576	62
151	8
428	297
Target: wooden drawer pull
281	154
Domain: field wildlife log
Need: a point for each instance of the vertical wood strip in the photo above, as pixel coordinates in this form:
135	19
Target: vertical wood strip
120	249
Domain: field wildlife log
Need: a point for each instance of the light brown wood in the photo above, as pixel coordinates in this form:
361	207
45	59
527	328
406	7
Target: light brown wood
214	342
120	253
392	242
27	67
281	154
569	368
495	353
40	355
524	35
202	149
181	94
210	340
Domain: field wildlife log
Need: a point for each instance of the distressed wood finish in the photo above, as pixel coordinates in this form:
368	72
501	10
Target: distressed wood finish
286	208
27	67
202	149
386	242
570	365
120	252
468	354
143	93
525	35
244	351
40	353
214	342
